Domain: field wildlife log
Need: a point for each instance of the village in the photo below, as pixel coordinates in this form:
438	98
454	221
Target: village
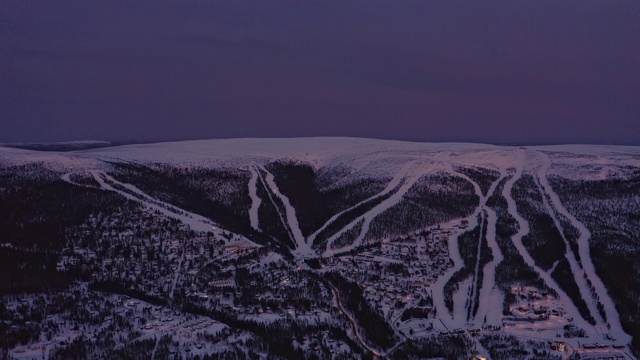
397	274
114	321
152	267
158	270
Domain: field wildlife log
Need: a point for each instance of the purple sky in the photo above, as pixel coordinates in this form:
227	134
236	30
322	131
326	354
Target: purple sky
506	72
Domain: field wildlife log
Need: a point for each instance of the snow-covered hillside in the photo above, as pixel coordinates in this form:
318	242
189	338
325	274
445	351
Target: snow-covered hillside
388	206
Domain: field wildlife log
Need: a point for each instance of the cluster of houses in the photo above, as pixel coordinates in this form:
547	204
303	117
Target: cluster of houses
151	260
400	270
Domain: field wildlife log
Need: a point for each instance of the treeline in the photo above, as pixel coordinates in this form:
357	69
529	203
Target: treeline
544	241
416	313
348	237
38	209
217	194
486	256
297	181
24	271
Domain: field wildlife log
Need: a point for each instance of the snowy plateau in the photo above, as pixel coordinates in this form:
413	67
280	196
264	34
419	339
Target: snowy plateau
320	248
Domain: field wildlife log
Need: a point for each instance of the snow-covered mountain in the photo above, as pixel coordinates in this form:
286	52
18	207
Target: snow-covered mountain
457	240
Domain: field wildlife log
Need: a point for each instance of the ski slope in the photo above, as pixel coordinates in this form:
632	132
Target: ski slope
404	163
290	220
523	230
613	318
255	199
416	172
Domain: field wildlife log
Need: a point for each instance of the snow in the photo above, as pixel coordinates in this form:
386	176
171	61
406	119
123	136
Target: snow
377	210
196	222
255	199
467	291
58	162
414	171
375	158
546	191
407	163
523	230
398	177
490	295
302	248
378	157
456	319
613	318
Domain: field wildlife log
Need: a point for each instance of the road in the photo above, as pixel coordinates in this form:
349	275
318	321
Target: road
354	325
356	329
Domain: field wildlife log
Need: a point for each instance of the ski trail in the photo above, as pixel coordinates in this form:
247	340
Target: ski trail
377	210
67	178
476	270
488	290
523	230
489	293
255	199
488	281
438	285
613	318
438	161
302	247
397	179
478	347
454	255
275	205
585	293
195	221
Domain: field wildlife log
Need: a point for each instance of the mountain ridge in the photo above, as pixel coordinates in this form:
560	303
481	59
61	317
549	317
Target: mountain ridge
450	224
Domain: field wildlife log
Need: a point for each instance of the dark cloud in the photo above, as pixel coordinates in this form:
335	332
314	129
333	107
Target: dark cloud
458	70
